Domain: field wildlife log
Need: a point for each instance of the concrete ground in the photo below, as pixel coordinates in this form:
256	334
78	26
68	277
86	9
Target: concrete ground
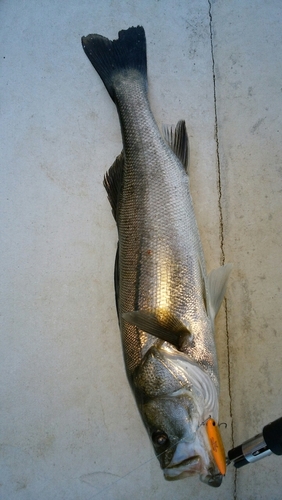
69	426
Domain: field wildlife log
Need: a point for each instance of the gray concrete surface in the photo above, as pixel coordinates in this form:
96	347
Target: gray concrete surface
69	426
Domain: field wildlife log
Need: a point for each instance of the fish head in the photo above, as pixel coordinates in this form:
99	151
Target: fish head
179	437
177	400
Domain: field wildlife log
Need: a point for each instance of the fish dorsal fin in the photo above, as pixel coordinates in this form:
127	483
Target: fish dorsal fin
171	329
177	139
215	288
113	182
204	284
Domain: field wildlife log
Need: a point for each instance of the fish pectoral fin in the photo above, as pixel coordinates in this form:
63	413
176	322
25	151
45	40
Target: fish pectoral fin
177	139
171	330
216	287
113	183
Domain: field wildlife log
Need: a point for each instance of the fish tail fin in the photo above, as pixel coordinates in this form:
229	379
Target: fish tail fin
111	57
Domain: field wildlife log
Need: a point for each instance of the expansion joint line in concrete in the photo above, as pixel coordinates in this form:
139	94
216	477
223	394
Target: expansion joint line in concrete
221	228
221	232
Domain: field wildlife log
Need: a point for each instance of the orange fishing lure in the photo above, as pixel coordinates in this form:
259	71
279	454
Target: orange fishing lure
216	445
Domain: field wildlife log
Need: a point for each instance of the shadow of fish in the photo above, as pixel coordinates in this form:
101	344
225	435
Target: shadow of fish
166	302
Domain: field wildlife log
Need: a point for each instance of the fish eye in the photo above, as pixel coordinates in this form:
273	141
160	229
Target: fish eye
159	437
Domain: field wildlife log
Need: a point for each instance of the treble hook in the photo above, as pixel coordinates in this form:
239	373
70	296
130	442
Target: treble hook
223	423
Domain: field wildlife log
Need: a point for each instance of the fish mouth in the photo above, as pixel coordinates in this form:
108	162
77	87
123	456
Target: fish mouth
188	467
212	480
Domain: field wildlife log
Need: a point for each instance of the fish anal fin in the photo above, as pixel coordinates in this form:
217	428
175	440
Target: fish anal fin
113	182
177	139
216	286
171	329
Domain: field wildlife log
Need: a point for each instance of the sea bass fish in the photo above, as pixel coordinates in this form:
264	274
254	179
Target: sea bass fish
166	302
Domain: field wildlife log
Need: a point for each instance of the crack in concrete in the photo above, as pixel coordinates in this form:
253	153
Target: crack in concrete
217	145
221	232
229	392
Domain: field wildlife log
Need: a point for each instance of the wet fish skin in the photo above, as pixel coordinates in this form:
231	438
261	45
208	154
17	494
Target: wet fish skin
166	303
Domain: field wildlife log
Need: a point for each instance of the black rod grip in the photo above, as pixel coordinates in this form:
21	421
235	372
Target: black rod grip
272	434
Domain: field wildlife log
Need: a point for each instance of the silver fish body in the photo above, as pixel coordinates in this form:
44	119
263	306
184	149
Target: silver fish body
166	302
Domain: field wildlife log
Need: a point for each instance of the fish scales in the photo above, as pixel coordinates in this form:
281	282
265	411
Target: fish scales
166	303
157	229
